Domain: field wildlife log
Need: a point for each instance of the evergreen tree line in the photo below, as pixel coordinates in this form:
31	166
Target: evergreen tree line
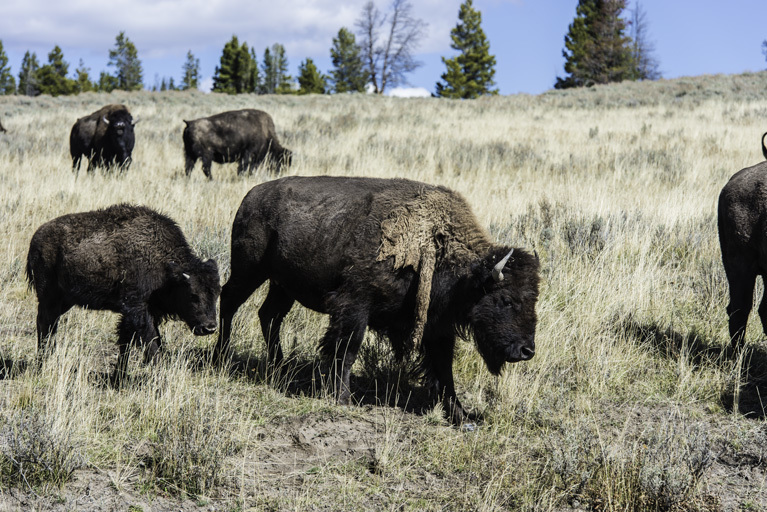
600	46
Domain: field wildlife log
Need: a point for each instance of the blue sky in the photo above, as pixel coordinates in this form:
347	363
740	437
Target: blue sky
526	36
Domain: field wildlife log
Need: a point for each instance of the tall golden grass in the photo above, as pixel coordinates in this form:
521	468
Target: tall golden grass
630	395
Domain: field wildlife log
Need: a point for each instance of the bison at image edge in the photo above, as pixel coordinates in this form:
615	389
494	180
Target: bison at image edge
405	259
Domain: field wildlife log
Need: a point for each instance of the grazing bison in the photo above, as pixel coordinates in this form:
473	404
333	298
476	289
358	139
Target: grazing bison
742	219
764	147
105	137
405	259
242	136
127	259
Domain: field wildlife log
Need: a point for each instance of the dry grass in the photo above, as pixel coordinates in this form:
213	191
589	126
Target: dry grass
631	403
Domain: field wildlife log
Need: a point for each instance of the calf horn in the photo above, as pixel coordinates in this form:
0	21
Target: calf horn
498	269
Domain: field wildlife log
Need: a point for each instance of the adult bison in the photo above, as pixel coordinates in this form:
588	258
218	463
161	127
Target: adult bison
742	219
105	137
406	259
127	259
243	136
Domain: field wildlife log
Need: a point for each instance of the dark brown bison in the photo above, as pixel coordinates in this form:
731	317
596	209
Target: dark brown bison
243	136
127	259
742	219
105	137
405	259
764	147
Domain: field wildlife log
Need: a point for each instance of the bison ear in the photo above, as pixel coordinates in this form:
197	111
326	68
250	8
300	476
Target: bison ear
211	264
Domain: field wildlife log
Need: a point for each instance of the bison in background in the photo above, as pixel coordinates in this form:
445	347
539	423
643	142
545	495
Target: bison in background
243	136
105	137
127	259
742	219
405	259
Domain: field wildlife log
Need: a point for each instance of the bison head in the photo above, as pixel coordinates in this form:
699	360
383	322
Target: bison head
120	135
195	289
502	314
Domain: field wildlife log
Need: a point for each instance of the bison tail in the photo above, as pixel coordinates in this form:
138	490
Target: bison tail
764	148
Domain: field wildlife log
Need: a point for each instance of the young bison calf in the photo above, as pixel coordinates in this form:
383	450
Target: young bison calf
127	259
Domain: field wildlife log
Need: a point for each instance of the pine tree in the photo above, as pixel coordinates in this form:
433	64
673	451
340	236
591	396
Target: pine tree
52	78
191	72
254	81
107	82
597	51
83	81
275	71
469	74
310	80
234	74
348	74
28	75
7	81
124	58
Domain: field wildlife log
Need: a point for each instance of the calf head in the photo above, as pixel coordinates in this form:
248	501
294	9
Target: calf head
195	287
503	292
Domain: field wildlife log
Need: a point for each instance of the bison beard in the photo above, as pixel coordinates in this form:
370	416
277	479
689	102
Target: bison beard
126	259
405	259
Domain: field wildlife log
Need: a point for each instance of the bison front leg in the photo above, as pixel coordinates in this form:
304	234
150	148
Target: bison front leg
136	325
438	376
340	347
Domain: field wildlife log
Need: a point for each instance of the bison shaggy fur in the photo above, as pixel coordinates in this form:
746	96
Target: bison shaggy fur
105	137
742	219
405	259
127	259
244	136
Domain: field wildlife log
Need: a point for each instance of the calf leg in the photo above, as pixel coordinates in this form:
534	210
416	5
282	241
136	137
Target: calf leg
136	325
340	347
272	312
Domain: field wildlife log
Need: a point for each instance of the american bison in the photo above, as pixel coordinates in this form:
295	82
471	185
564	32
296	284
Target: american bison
105	137
405	259
127	259
742	219
242	136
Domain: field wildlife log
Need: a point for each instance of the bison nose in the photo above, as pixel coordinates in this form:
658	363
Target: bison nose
204	330
526	353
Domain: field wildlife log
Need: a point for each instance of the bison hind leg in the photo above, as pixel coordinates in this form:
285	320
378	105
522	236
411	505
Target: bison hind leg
741	301
48	315
340	347
271	314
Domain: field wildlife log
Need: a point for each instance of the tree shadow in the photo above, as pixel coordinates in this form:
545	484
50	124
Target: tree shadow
747	366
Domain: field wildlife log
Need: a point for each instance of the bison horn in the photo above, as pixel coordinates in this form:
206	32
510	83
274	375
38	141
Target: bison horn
105	119
498	269
186	276
135	121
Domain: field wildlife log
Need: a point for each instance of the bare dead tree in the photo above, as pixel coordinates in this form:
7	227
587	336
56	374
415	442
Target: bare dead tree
389	58
647	66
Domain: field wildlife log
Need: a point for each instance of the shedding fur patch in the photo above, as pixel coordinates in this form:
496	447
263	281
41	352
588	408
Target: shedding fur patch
433	227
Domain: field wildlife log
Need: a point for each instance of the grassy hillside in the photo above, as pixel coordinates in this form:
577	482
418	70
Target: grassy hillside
632	402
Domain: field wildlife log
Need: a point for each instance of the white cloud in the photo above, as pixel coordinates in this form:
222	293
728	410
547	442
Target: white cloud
160	28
